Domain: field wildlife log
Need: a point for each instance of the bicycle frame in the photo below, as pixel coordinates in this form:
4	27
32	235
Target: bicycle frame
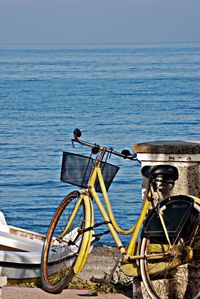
110	219
130	254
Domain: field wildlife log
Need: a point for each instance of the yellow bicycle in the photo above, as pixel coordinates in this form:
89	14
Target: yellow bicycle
168	230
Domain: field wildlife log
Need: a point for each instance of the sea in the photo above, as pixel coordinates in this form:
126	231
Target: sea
117	95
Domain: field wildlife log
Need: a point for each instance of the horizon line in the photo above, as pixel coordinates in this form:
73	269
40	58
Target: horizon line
96	43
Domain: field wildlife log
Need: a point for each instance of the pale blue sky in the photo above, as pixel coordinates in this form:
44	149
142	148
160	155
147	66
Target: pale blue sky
99	21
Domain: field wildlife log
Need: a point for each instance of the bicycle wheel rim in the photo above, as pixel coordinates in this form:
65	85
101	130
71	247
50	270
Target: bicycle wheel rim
59	256
178	282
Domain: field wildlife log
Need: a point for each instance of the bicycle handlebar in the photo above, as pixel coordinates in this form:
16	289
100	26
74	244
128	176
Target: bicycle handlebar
95	147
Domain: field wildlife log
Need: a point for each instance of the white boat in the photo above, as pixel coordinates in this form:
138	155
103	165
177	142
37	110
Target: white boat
20	251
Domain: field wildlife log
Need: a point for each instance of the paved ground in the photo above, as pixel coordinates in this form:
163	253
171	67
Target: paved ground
36	293
101	261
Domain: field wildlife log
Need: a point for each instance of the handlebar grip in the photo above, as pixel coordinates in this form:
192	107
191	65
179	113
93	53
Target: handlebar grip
125	152
77	133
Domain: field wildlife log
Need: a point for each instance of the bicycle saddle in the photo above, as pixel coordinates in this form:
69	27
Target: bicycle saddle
153	171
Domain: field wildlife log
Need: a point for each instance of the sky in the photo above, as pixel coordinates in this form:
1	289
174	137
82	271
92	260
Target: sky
99	21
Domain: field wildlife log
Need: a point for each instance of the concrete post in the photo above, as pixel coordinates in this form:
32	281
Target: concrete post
185	155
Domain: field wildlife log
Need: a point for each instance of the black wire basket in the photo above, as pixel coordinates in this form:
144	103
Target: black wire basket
76	170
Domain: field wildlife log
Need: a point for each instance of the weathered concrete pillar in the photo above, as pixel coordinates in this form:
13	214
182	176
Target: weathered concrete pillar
185	155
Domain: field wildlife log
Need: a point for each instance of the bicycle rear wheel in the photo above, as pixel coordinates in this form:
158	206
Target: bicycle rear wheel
177	274
67	242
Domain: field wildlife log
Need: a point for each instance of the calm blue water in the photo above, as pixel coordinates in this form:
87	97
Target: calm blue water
118	95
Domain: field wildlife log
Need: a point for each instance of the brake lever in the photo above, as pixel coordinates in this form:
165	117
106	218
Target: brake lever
111	149
72	140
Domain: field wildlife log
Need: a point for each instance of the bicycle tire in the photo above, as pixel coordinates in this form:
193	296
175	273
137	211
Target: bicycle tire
65	252
173	281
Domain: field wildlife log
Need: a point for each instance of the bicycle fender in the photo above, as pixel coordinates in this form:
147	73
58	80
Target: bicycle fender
87	237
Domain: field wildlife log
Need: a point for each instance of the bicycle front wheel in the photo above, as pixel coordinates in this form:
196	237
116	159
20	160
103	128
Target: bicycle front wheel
176	273
67	242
